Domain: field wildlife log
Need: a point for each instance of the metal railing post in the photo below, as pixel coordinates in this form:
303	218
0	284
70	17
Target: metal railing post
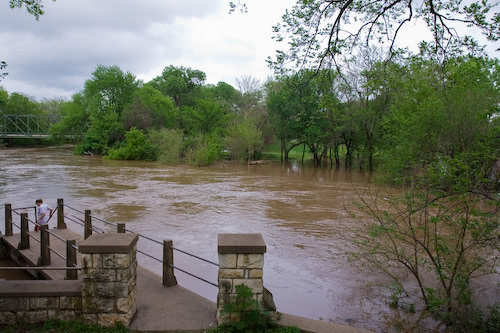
25	239
44	246
168	263
88	224
120	228
60	214
8	219
71	274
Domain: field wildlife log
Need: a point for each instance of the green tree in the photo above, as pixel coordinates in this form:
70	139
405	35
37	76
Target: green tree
243	139
179	83
74	119
284	105
443	113
205	117
19	104
106	95
150	109
252	104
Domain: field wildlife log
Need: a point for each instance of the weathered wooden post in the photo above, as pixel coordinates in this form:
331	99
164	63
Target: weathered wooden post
8	219
60	214
241	261
120	228
25	238
71	274
88	224
168	263
44	246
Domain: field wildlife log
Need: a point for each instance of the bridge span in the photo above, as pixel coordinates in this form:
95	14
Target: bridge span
26	126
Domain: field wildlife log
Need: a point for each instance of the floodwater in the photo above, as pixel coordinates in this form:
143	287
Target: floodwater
301	213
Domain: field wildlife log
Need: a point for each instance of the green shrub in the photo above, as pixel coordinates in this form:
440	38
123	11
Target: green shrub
251	317
203	150
135	147
168	143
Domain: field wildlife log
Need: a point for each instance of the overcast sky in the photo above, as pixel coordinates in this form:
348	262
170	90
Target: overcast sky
54	56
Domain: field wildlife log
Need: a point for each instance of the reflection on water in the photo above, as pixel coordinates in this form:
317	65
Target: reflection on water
301	213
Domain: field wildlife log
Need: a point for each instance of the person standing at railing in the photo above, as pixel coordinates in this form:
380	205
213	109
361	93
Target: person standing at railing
43	214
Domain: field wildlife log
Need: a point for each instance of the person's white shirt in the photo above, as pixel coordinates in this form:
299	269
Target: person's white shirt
43	213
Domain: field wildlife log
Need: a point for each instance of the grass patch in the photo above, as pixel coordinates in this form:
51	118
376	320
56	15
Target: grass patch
273	152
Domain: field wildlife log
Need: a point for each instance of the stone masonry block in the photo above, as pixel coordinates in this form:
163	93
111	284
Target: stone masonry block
89	318
32	317
14	303
116	260
109	319
88	288
7	317
225	286
70	303
64	314
104	289
97	305
227	260
100	274
123	274
124	305
39	303
225	273
256	285
97	260
250	261
255	273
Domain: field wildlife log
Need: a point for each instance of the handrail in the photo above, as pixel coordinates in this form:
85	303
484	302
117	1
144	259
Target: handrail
94	217
77	220
45	249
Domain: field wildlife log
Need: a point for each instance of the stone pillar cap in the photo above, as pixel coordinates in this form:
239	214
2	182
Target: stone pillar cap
241	243
108	243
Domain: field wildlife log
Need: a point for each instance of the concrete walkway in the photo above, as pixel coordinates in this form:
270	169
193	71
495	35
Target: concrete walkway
160	308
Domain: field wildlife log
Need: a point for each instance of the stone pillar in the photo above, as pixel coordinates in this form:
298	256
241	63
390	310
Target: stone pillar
241	261
109	278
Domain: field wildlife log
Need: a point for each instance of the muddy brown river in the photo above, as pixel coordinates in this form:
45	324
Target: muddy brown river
301	213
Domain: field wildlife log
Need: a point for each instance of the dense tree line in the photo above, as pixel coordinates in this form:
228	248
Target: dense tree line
406	114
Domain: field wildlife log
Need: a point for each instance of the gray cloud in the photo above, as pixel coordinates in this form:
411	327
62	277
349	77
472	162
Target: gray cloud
54	56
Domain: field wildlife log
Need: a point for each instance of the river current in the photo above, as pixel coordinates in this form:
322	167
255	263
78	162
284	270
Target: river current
300	212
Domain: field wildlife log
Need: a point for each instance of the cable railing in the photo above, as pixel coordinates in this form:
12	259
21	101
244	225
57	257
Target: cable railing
89	228
44	240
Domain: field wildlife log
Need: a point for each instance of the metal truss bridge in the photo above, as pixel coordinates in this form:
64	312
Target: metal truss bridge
26	126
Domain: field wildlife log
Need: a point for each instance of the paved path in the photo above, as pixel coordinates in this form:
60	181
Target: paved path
158	308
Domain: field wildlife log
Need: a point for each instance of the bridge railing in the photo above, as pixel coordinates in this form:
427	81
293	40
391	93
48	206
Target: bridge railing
26	125
86	219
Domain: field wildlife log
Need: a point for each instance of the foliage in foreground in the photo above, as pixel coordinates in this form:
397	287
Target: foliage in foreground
442	240
250	318
53	325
